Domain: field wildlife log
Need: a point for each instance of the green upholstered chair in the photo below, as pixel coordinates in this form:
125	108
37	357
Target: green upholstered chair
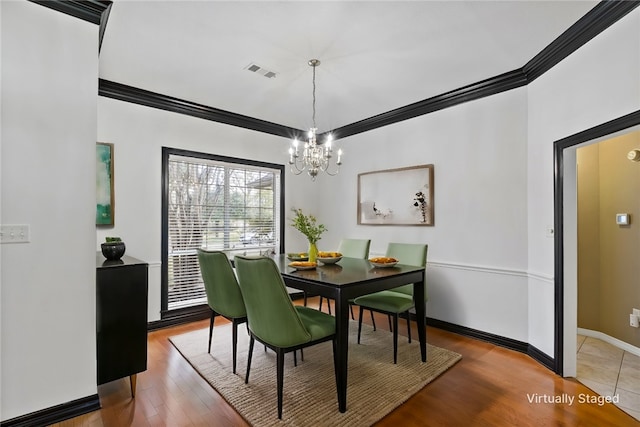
273	319
223	293
352	248
398	300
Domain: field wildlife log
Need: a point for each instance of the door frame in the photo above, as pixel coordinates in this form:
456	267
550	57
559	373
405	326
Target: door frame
565	238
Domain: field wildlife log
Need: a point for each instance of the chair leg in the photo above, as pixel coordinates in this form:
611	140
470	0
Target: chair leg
280	373
360	323
409	327
305	297
328	304
251	341
295	359
213	317
235	343
395	338
351	309
373	320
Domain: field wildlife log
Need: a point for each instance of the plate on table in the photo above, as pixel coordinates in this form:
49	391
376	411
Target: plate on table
298	256
303	265
329	257
383	261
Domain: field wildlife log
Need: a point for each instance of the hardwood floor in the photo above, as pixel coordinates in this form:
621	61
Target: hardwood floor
490	386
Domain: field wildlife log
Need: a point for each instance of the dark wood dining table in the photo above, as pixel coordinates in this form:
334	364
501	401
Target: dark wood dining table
348	279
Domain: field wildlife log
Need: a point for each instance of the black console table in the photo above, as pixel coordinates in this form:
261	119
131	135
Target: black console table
121	318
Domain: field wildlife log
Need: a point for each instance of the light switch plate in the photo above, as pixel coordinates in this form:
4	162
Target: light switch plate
622	219
15	233
549	232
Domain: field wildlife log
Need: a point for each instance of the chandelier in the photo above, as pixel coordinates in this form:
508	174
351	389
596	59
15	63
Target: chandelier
314	157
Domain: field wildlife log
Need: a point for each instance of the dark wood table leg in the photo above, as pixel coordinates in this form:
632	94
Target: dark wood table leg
133	379
342	348
418	295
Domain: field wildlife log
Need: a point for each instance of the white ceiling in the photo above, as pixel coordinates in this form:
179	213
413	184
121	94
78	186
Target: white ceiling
376	55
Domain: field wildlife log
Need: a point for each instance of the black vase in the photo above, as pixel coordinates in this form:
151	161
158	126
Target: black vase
113	250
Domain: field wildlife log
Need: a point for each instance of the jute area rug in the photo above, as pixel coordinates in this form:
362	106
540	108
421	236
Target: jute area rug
375	385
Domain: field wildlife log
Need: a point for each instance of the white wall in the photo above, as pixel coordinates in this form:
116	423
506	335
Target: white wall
477	274
597	83
138	134
49	91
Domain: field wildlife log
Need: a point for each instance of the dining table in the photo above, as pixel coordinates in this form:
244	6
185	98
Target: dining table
345	280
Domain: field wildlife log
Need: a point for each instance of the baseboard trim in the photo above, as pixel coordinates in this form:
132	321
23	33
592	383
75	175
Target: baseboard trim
55	414
622	345
541	357
520	346
180	317
498	340
481	335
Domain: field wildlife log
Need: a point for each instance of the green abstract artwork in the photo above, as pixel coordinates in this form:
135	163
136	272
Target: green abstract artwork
104	183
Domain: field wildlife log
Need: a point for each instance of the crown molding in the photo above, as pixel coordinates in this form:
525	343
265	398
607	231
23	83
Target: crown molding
601	17
147	98
87	10
104	18
488	87
598	19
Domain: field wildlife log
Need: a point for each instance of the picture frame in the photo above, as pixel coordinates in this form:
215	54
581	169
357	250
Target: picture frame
105	200
402	196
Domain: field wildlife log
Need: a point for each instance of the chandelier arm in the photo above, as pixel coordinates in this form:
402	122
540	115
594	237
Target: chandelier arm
297	170
326	170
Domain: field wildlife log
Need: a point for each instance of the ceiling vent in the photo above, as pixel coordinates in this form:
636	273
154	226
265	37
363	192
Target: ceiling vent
259	70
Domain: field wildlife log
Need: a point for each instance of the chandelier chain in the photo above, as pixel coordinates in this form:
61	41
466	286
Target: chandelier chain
314	96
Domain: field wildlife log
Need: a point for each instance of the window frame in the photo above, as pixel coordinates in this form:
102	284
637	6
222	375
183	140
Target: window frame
179	315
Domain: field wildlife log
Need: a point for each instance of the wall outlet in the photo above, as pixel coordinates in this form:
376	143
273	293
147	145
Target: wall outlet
634	321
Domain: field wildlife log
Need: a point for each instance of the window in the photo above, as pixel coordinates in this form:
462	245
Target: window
216	203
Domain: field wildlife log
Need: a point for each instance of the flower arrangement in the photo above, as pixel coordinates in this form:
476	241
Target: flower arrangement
421	203
307	225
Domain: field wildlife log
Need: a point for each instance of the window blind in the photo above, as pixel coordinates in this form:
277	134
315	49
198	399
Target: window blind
216	205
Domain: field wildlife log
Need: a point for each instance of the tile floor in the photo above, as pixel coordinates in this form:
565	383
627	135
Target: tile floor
610	371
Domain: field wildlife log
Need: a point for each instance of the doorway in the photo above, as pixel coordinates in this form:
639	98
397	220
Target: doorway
566	235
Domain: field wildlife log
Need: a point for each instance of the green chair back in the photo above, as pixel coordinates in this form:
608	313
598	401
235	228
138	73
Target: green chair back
220	283
409	254
270	312
355	248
